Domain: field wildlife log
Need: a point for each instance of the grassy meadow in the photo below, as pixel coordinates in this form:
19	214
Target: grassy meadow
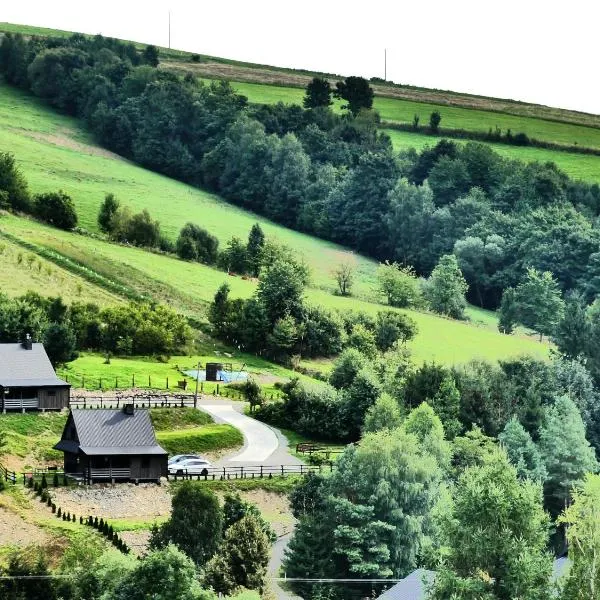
23	271
579	166
403	111
55	152
189	287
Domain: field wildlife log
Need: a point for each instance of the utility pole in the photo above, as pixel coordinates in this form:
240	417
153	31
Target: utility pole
385	64
169	30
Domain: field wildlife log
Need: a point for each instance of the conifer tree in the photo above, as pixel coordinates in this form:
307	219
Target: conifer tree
522	452
566	453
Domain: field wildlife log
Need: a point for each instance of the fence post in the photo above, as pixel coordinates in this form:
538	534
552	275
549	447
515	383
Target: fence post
100	383
167	383
116	383
133	380
149	382
82	382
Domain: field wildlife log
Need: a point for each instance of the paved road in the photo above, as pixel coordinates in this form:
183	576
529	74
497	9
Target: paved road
274	568
262	444
260	440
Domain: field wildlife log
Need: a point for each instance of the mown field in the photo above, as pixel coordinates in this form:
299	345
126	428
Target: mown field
398	110
190	286
23	271
55	152
579	166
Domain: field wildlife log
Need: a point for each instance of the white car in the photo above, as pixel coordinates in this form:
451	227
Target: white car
181	457
191	466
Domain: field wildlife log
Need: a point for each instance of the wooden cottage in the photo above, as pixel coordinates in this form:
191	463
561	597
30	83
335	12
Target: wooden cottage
27	379
112	445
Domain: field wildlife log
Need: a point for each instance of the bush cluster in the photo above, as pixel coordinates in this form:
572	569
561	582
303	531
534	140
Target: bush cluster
55	208
135	328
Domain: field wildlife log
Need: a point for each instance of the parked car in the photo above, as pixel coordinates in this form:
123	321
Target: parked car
191	466
180	457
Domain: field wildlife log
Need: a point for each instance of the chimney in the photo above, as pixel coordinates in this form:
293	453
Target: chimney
27	344
128	409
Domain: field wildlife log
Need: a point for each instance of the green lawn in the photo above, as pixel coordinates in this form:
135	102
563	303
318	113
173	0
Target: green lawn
208	438
55	152
123	373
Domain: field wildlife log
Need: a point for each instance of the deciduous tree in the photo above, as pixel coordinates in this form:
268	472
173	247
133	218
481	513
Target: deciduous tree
356	91
318	93
496	533
446	288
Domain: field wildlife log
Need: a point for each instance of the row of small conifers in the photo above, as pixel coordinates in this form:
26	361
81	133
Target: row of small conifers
100	524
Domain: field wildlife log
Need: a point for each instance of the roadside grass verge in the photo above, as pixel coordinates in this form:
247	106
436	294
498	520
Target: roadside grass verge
209	438
170	419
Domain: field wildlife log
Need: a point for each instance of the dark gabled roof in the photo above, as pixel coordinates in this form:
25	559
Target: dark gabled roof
26	368
103	432
411	587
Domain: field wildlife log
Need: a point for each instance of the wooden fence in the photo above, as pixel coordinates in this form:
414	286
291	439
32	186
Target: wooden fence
8	475
139	401
252	472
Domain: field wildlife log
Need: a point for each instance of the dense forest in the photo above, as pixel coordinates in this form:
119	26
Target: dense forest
332	175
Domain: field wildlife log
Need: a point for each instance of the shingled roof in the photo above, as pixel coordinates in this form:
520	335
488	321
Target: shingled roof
20	367
111	432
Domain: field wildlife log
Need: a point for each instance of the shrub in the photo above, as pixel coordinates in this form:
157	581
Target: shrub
195	243
55	480
56	208
13	183
44	483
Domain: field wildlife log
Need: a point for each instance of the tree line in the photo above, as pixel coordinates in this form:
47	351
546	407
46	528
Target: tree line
135	328
465	471
278	322
331	175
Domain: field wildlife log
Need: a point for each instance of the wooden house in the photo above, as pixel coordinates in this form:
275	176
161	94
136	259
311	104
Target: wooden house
27	379
112	445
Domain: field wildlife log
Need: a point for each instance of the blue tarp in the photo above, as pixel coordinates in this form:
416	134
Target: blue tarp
224	376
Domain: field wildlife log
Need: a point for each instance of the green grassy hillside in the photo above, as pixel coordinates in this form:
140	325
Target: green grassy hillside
579	166
23	270
398	110
189	287
54	152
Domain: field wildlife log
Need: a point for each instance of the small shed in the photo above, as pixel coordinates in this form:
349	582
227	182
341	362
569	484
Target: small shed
28	380
112	445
